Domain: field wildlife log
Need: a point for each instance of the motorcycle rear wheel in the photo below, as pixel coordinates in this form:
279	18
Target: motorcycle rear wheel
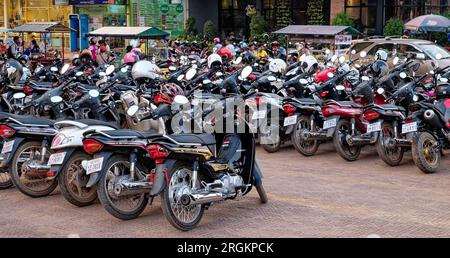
5	180
425	158
71	180
347	152
273	145
306	148
392	157
182	217
39	187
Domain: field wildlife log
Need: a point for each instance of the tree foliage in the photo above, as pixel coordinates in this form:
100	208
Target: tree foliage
342	19
394	27
258	25
209	30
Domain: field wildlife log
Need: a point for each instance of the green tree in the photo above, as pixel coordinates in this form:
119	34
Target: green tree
394	27
342	19
441	37
209	30
282	14
189	27
258	25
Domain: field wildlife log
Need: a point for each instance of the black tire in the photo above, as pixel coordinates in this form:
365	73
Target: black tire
166	204
392	157
262	193
306	148
425	160
71	182
347	152
105	199
16	172
273	146
5	180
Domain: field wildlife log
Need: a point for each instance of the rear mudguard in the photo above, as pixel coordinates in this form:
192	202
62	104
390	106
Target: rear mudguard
94	177
57	168
161	176
7	157
330	131
257	175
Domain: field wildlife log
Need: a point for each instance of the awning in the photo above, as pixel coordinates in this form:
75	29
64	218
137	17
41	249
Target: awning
428	23
316	30
41	27
130	32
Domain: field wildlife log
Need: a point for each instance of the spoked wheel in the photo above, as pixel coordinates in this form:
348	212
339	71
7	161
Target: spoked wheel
347	152
122	207
5	180
272	139
31	182
73	181
425	154
389	154
303	146
181	216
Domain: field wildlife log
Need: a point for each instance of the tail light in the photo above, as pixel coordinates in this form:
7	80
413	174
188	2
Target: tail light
92	146
258	100
447	103
6	131
27	90
289	109
157	153
328	111
371	115
324	94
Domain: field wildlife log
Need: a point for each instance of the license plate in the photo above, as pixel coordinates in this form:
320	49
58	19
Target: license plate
259	115
409	128
290	120
94	165
330	123
375	127
56	158
7	146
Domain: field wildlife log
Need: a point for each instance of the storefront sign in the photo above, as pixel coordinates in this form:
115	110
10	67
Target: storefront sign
164	8
340	40
179	8
95	2
61	2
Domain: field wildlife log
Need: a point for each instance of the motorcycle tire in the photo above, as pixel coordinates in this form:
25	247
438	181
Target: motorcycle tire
343	149
427	163
71	182
5	180
167	206
104	197
299	142
271	147
16	172
391	157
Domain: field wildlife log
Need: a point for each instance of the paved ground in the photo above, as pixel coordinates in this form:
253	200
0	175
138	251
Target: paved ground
321	196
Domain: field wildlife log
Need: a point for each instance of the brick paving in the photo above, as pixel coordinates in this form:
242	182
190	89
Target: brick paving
320	196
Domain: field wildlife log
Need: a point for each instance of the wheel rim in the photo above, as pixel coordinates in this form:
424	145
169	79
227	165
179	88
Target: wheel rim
302	126
125	204
269	138
429	152
30	154
343	131
77	180
392	152
180	184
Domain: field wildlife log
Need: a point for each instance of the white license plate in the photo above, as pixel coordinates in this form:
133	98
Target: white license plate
94	165
56	158
330	123
7	146
259	115
290	120
409	128
375	127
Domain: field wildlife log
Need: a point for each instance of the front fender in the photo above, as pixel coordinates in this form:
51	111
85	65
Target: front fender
7	157
94	177
57	168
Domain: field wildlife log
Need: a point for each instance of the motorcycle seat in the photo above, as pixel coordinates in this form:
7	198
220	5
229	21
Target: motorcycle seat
305	101
346	104
203	139
27	120
124	133
92	122
390	107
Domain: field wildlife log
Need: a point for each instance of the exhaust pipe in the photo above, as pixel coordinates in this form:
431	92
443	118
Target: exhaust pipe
196	199
431	117
125	188
358	140
34	168
307	135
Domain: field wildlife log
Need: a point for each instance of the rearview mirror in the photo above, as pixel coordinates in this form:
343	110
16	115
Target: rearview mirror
271	78
363	54
395	61
365	78
330	75
246	72
237	61
110	70
190	74
181	100
94	93
403	75
54	69
340	87
19	95
303	81
78	74
65	68
334	58
56	99
132	110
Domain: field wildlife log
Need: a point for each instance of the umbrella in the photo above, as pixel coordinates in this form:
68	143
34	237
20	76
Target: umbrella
428	23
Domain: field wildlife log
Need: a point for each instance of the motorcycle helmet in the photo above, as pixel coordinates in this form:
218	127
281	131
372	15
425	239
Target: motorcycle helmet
129	58
381	55
243	45
14	70
216	40
309	63
277	66
214	60
225	53
275	44
76	62
86	56
168	93
380	68
144	69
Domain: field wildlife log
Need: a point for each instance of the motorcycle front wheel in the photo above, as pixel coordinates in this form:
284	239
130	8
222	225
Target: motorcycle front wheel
182	217
347	152
31	183
390	156
122	207
425	155
73	181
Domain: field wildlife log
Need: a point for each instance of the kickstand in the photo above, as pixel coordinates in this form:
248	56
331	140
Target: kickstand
151	200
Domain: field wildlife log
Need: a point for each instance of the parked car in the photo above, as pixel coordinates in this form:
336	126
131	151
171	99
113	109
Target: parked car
423	51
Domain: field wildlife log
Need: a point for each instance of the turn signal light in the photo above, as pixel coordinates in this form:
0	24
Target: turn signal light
157	153
27	90
447	103
6	131
371	115
92	146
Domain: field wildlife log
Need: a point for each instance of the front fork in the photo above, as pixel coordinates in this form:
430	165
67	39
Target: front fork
43	150
133	160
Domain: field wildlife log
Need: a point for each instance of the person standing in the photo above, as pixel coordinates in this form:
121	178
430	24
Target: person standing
14	48
93	48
